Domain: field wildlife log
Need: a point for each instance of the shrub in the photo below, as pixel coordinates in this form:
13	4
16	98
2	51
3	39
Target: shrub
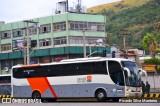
154	61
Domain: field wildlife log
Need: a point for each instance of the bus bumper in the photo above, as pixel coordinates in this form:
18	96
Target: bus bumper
134	94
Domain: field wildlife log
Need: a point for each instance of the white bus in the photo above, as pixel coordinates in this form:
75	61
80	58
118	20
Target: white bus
95	77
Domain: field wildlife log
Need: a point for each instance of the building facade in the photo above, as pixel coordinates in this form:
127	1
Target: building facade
57	37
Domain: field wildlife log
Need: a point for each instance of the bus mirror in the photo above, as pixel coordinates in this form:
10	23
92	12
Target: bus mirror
142	73
128	72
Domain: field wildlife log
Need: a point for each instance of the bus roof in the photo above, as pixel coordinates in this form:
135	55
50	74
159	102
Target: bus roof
5	75
92	59
77	60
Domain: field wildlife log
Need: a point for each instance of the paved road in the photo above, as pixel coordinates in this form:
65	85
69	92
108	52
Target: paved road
85	104
122	100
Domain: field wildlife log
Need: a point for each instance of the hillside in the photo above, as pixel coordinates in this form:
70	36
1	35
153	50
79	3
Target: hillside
139	17
117	6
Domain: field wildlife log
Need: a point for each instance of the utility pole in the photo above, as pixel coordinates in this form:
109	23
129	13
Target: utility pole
27	41
90	50
125	33
24	51
28	56
67	6
84	44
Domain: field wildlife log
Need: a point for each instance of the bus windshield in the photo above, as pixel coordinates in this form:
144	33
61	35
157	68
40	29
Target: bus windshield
133	80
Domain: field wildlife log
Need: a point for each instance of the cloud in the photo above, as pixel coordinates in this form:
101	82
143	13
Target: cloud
16	10
24	9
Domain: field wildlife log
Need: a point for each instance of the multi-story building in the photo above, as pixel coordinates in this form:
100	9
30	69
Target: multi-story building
57	37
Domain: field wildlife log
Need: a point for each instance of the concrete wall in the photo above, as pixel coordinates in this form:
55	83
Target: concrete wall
154	82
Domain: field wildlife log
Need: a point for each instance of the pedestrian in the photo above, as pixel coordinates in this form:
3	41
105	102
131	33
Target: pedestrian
143	88
147	87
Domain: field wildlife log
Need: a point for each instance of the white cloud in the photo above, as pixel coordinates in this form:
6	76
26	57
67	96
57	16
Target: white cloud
16	10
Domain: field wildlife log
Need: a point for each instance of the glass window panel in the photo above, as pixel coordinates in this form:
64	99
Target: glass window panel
6	64
45	28
5	47
5	34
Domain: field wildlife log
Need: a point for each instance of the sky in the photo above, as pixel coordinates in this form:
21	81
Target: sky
18	10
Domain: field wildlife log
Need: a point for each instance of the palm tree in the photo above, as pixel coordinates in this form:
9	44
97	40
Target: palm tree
149	41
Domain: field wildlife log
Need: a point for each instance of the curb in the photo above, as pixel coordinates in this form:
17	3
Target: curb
5	96
151	95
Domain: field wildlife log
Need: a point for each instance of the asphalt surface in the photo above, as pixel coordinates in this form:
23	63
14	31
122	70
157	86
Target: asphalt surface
85	104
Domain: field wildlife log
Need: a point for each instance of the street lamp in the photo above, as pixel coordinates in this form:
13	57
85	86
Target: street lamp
98	42
27	33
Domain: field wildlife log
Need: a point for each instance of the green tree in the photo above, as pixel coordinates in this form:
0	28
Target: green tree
149	41
155	61
158	44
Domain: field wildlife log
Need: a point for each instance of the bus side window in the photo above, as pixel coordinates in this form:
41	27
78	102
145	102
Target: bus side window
83	68
99	67
63	70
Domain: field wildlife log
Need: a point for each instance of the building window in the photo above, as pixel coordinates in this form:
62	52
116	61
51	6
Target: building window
90	26
79	40
60	41
101	27
17	61
45	42
33	43
61	26
75	40
5	34
93	40
75	25
6	64
45	29
5	47
32	30
71	27
45	60
59	58
18	32
34	60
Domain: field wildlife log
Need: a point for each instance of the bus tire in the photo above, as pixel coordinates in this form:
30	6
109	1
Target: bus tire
101	95
36	95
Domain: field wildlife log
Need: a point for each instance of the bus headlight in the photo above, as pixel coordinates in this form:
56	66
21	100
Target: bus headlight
129	90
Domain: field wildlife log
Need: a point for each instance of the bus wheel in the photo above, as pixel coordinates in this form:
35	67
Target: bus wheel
36	95
101	95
